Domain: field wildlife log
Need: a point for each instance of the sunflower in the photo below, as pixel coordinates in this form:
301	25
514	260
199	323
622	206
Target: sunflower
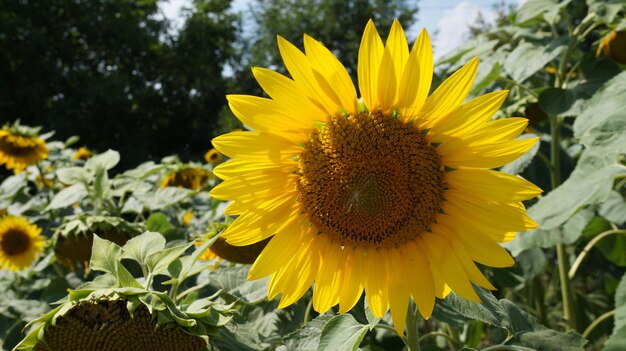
390	194
82	153
20	243
613	45
192	178
212	156
20	147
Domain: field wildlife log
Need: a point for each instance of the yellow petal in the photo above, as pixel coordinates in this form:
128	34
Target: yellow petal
448	266
376	283
300	69
420	279
259	185
303	271
448	96
510	217
468	117
256	146
398	47
409	101
352	286
370	54
235	168
252	227
399	293
323	61
329	276
491	185
288	95
479	246
488	156
288	239
459	217
492	132
387	83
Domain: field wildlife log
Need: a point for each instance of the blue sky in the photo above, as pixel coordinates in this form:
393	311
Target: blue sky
446	20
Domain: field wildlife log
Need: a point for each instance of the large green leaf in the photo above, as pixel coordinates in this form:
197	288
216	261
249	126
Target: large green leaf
535	8
602	122
307	338
555	101
157	262
590	183
68	196
139	247
617	340
342	333
163	197
105	255
528	58
233	280
103	161
73	175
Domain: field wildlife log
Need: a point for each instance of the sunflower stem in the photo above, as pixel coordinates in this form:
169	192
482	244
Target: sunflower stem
588	247
412	328
597	322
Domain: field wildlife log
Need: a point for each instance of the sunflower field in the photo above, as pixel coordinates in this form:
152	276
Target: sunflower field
473	202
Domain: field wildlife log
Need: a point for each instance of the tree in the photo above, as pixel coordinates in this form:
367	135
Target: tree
110	72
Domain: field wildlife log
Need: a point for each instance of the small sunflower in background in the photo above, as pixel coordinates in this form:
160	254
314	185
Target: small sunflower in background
20	146
212	156
390	194
20	243
82	153
188	177
613	45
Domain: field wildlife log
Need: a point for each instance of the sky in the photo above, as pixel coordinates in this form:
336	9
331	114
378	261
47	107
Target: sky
446	21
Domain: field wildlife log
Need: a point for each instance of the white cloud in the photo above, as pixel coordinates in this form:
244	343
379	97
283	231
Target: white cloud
453	26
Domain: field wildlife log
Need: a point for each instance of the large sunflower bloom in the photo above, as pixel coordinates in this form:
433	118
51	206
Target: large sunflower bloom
391	195
20	243
19	151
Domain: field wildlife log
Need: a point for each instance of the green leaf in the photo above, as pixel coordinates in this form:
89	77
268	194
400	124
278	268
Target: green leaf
342	333
163	197
124	278
548	339
158	222
105	255
566	234
526	59
68	196
73	175
605	9
534	8
139	247
602	122
103	161
555	101
233	280
590	183
101	184
307	338
614	208
157	262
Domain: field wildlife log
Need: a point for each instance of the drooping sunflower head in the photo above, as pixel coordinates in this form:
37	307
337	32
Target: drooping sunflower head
192	178
20	147
82	153
20	243
390	194
613	45
212	156
74	239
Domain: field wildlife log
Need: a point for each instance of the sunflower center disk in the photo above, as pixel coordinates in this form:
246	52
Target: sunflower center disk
370	180
15	242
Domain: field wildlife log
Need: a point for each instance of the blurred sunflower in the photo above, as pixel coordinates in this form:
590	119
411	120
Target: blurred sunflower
192	178
212	156
390	194
82	153
21	147
613	45
20	243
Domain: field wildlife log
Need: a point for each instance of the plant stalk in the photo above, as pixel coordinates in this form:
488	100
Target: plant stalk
412	325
